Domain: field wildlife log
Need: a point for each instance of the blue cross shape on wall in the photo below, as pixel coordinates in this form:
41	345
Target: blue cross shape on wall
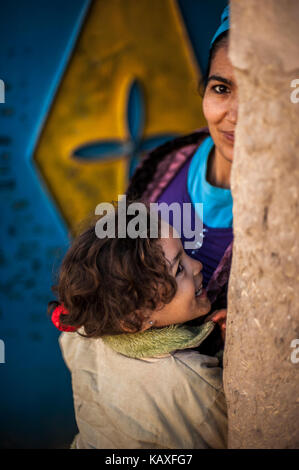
135	145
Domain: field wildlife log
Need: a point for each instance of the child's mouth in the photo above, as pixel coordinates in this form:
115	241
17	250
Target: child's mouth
198	292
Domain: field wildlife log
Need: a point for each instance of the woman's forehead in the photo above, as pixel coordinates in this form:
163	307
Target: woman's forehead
221	64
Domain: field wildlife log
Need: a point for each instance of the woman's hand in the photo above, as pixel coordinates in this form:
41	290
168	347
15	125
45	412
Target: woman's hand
219	316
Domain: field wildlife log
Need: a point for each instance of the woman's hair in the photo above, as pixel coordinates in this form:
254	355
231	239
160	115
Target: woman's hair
145	173
107	284
221	41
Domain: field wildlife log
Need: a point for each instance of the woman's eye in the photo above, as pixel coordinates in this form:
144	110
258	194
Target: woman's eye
180	269
221	89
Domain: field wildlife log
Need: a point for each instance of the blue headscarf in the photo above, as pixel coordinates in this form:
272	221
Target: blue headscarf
224	26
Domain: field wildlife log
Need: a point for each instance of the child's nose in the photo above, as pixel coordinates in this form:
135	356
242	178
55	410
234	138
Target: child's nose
197	267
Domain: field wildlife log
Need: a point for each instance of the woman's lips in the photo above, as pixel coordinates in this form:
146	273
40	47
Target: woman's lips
230	136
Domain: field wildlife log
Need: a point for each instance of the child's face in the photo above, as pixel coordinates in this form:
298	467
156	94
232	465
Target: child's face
186	304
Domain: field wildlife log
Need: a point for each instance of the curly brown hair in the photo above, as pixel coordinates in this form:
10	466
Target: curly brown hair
110	285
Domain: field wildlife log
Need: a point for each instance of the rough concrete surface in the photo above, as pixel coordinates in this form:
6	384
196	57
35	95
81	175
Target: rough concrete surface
260	379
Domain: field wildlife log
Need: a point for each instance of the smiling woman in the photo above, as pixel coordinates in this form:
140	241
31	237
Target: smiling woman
196	169
220	107
142	302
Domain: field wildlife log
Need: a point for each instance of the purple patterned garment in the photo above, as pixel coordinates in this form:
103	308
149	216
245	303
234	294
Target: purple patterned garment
215	240
168	168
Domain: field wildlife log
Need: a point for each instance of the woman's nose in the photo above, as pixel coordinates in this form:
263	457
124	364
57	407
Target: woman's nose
232	114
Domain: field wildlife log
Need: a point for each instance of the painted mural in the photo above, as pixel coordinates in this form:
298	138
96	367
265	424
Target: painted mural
129	86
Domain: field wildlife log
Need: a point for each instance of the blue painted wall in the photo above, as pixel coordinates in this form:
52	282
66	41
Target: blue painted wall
36	41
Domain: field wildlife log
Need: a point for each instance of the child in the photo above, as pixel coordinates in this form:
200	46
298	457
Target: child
137	380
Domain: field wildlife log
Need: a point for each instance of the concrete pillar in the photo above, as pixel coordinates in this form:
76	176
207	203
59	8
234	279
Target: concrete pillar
261	364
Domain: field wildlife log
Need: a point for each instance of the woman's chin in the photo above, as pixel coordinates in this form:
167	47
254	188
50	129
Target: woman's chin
228	152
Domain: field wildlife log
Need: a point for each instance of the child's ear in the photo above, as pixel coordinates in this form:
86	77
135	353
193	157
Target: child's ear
148	319
146	323
126	327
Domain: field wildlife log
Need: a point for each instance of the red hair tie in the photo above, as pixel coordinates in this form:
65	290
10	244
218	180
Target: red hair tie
60	310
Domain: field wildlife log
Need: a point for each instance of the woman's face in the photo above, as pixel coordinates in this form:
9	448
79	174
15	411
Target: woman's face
220	103
190	300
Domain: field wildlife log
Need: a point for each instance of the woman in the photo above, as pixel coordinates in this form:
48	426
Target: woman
196	168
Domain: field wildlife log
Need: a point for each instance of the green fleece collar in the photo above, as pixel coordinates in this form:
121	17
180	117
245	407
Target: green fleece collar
159	341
